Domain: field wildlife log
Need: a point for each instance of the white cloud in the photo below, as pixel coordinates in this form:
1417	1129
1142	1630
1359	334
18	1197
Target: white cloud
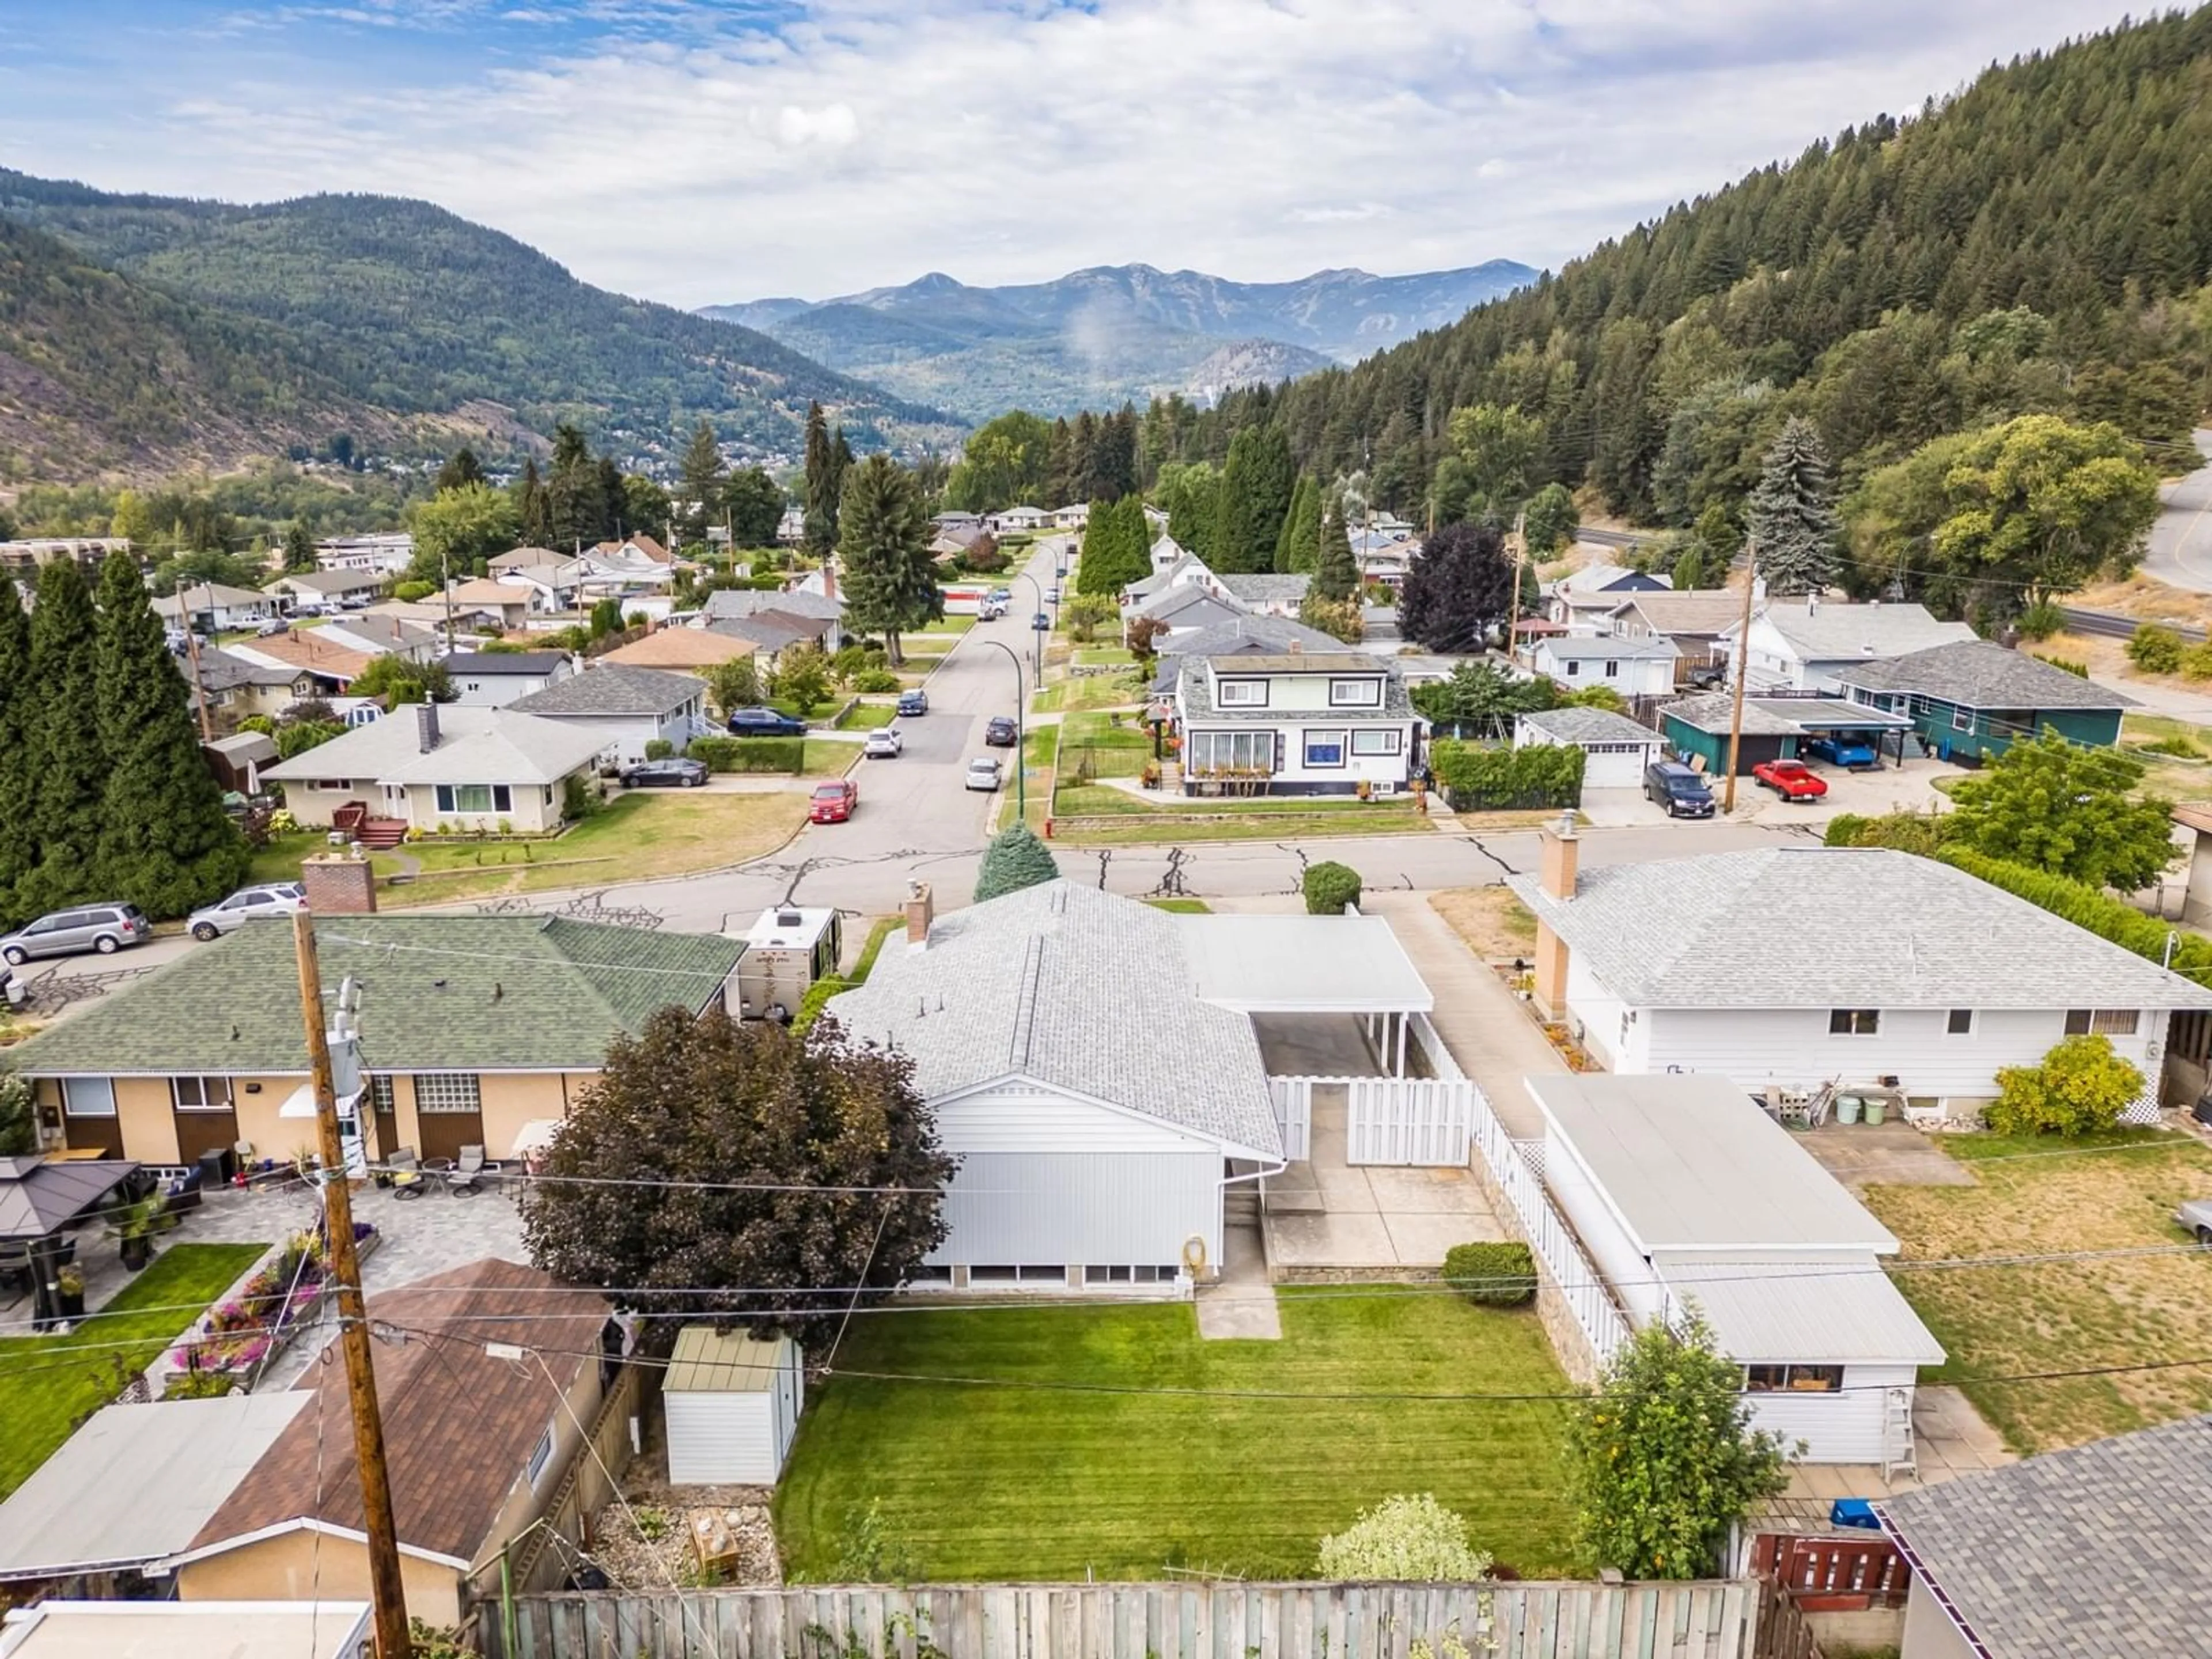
702	152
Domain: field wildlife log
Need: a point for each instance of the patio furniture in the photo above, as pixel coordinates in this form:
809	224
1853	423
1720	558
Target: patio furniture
405	1175
465	1176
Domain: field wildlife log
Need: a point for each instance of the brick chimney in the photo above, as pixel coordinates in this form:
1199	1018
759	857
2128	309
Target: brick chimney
1560	851
830	577
339	884
920	911
1297	648
425	725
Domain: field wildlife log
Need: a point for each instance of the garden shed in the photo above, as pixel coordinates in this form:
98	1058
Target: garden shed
732	1404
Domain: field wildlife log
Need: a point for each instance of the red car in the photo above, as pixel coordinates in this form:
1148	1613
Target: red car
1791	780
834	803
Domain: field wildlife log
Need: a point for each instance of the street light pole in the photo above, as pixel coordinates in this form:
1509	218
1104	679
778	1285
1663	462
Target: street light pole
1021	734
1036	636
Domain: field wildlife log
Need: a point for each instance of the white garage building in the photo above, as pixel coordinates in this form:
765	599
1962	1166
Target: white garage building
1616	749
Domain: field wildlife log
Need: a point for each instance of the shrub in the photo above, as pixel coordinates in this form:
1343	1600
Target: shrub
2080	671
2077	1088
577	800
658	749
749	754
875	679
2040	621
1844	830
414	593
1498	1275
1903	832
1475	779
1406	1539
2196	662
2154	649
1016	859
1330	888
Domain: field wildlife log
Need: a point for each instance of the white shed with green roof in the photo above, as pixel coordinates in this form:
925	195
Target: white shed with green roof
731	1401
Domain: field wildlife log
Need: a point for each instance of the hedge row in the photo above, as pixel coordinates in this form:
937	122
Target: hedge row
749	754
1476	780
2088	908
1502	1274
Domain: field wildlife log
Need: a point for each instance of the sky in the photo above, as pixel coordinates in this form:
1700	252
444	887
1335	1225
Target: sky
705	151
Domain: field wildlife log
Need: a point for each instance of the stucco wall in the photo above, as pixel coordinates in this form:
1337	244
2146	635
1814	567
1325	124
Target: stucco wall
303	1566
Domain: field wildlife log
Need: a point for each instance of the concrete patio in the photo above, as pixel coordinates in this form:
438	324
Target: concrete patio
1949	1439
1891	1154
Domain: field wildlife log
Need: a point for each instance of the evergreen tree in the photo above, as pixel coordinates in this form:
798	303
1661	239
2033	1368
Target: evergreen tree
821	486
614	502
461	468
299	547
1014	860
754	504
1457	587
889	580
533	507
165	842
62	741
575	495
1298	548
1059	486
702	475
1116	549
1082	460
19	838
1190	496
1790	517
1255	496
1114	468
1336	574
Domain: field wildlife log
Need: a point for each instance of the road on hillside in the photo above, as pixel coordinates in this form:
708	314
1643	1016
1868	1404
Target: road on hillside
2181	541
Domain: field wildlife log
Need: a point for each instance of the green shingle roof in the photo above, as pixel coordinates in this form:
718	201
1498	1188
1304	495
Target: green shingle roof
437	994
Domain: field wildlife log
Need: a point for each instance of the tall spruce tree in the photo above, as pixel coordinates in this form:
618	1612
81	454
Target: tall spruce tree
575	494
1336	574
62	740
533	507
299	546
19	838
614	503
1256	497
889	580
1790	517
1116	549
821	486
703	475
1013	860
1298	548
165	842
461	469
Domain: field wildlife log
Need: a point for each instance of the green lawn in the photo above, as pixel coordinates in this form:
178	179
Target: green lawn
1183	907
45	1390
947	624
1027	1483
1092	691
1106	656
866	716
1095	744
819	711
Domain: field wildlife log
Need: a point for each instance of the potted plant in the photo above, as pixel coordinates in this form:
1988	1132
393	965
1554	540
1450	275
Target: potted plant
134	1226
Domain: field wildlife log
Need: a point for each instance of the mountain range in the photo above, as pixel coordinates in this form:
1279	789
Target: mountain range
1095	336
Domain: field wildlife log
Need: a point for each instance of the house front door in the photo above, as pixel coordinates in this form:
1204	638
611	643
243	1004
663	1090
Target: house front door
395	801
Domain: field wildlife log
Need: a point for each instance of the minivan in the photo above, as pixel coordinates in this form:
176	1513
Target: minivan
1680	790
106	928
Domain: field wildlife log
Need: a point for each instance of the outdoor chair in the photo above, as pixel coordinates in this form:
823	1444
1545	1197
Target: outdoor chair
405	1175
465	1176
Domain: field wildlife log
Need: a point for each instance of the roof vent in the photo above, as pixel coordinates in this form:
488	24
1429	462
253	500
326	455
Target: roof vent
788	919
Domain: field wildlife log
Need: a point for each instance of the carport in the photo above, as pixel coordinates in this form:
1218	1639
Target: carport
1263	966
1822	715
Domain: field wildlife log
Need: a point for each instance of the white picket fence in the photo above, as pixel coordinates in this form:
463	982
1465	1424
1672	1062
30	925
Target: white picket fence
1431	1042
1293	1098
1405	1120
1549	1237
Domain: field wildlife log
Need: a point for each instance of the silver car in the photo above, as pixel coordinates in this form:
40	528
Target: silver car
2194	1217
106	928
983	773
884	743
272	898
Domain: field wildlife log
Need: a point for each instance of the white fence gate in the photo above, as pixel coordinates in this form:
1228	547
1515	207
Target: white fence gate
1404	1120
1294	1114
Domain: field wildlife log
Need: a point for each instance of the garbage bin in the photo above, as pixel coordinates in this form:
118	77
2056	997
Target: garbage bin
217	1166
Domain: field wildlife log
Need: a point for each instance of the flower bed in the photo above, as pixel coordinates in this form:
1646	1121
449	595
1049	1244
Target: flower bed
261	1314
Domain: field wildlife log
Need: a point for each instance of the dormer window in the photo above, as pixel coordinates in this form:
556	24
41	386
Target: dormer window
1242	694
1355	694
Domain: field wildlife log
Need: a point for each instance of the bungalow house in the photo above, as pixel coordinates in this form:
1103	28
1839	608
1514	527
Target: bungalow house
1077	517
1182	608
451	765
1695	621
1303	723
1615	749
384	636
524	558
495	679
1692	1199
625	707
734	605
632	549
472	1029
328	663
1027	519
1635	668
1977	698
771	633
690	650
233	687
954	540
954	518
388	553
1795	967
2096	1550
1699	727
1582	598
477	1445
327	590
214	608
510	605
1267	595
1803	644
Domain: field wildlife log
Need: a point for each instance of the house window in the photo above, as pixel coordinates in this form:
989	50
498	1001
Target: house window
447	1091
88	1097
541	1456
1962	719
201	1094
1228	751
1574	667
1793	1379
1612	670
2101	1022
379	1095
1961	1023
1355	694
340	785
1853	1021
1377	743
1242	694
1137	1275
475	798
1324	749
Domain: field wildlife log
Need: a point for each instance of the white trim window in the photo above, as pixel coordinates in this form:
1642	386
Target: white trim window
1355	694
1854	1022
541	1457
1227	752
1241	694
1324	750
88	1097
465	797
2102	1022
1378	741
200	1094
451	1093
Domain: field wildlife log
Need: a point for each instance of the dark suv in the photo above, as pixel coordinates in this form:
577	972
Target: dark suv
1680	790
1000	731
764	723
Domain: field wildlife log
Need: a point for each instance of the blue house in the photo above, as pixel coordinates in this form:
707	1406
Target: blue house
1975	699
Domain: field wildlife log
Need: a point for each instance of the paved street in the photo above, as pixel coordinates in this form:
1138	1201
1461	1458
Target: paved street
2181	541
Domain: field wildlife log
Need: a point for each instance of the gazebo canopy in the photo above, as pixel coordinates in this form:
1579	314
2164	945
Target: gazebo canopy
39	1198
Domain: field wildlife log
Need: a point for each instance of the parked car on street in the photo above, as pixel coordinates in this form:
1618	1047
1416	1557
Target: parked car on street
1791	780
106	928
2194	1217
1001	596
834	802
1041	622
884	743
1838	750
764	723
1000	731
916	702
1052	596
672	772
271	898
983	773
1680	790
270	629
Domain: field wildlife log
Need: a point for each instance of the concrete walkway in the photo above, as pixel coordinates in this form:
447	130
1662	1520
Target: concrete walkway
1241	1304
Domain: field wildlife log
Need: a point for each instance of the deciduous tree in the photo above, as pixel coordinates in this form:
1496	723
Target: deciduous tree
458	533
299	547
1457	587
461	468
2067	809
753	501
888	582
734	684
1552	521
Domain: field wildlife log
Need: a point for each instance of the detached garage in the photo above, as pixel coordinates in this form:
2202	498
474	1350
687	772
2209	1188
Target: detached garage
1615	748
732	1408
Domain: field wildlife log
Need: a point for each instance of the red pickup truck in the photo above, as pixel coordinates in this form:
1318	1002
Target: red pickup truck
1791	780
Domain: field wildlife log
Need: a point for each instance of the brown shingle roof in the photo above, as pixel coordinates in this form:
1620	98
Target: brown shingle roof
305	647
458	1425
682	648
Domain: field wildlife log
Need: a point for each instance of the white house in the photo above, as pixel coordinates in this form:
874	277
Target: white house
1615	748
495	679
1801	644
326	590
1072	518
1690	1199
386	554
1795	967
214	607
1099	1114
1635	668
382	636
627	707
1021	519
1303	723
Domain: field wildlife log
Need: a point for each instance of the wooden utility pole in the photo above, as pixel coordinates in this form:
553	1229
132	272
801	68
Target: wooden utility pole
1519	558
1742	673
193	651
387	1594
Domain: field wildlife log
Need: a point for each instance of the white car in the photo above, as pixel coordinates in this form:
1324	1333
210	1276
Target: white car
884	743
983	773
274	898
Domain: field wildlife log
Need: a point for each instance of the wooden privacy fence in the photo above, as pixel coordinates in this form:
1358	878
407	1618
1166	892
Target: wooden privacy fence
1711	1619
1405	1120
1832	1572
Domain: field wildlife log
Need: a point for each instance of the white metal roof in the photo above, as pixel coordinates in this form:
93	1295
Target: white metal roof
1811	1313
1302	965
772	929
1688	1161
708	1361
184	1630
137	1482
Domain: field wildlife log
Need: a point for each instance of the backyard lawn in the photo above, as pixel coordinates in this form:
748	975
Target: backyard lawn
1015	1482
46	1390
1124	819
2037	1197
1091	691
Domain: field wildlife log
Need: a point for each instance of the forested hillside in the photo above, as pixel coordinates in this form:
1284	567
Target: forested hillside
2038	243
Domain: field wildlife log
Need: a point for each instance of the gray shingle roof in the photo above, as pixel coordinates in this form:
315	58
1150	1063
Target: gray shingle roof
1822	632
1704	611
519	994
524	663
746	601
1838	928
2080	1554
771	630
1713	711
1172	602
613	688
1268	589
1982	674
1238	635
475	745
1589	726
1077	989
1194	693
1586	646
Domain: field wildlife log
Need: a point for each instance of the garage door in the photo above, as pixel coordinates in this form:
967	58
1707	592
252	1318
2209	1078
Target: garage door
1614	765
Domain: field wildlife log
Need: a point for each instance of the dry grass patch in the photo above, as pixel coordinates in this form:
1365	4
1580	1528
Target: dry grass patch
1493	923
2032	1197
2143	597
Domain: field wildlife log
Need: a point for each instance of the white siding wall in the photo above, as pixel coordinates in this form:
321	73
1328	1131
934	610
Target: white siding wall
497	690
1589	1002
1846	1427
1576	1192
1929	1632
1632	677
722	1439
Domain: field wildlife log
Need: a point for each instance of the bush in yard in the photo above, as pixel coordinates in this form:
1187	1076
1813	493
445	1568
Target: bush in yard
1016	859
658	749
1499	1275
2040	620
1903	832
2079	1087
734	684
19	1129
577	800
2196	662
2154	649
1408	1538
1662	1460
875	680
1330	887
748	754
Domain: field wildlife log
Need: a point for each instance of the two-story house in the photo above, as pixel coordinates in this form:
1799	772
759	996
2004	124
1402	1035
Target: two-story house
1303	723
497	679
1634	668
1803	644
